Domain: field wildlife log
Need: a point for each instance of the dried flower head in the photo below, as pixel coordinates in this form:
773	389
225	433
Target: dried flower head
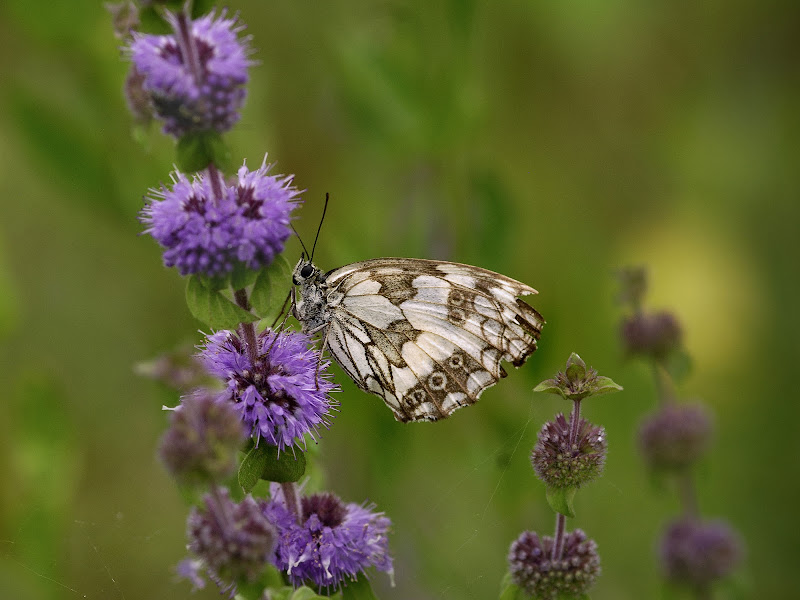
332	543
196	76
202	440
533	569
281	397
697	553
675	436
201	233
233	540
559	463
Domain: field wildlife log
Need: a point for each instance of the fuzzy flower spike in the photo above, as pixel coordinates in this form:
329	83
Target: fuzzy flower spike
331	542
196	76
284	394
205	234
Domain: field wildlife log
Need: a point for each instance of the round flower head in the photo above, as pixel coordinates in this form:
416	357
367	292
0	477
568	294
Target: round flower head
653	335
532	567
697	553
203	437
201	233
195	76
561	464
232	541
281	397
333	543
675	436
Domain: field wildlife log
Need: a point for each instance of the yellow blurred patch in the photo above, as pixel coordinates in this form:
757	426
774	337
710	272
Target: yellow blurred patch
705	278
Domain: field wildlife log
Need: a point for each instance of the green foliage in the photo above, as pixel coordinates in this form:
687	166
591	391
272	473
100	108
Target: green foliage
360	589
211	307
511	591
266	462
270	288
197	150
561	500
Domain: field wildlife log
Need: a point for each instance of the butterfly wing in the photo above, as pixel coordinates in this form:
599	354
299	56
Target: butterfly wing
427	336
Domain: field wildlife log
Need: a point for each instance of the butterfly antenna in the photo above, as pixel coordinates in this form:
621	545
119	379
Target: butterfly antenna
305	251
324	210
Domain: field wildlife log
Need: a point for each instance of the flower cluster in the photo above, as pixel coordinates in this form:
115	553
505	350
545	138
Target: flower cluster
675	436
195	77
561	463
697	553
283	394
206	232
533	568
232	541
330	542
202	440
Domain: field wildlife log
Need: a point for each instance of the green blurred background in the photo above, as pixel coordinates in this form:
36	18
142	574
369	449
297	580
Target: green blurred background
552	141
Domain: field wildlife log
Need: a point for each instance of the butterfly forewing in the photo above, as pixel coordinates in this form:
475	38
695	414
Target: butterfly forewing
427	336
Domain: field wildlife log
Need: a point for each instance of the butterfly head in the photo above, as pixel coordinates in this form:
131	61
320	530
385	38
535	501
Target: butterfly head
305	272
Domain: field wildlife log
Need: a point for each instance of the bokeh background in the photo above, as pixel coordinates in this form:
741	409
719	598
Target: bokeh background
552	141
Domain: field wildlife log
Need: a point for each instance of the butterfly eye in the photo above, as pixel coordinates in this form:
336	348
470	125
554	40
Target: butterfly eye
306	271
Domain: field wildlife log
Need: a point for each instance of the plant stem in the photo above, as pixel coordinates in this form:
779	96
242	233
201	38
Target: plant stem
558	540
248	330
665	387
215	177
687	493
574	422
187	46
289	490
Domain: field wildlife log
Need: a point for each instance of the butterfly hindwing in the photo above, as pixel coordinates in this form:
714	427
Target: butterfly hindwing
427	336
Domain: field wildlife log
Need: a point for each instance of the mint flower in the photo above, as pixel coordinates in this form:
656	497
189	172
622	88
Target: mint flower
533	569
283	395
676	436
201	233
560	464
231	541
195	77
331	542
202	440
697	553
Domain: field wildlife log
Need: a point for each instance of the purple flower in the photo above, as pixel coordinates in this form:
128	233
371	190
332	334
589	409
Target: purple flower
697	553
202	440
533	569
561	464
675	437
201	233
653	335
196	76
333	542
233	541
281	397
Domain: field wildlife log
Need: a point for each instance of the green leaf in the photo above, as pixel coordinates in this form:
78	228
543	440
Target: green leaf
305	593
212	308
511	591
241	276
549	386
604	385
271	287
264	462
197	150
561	499
359	589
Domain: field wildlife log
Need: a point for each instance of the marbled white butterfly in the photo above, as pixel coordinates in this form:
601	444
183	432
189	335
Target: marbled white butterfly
426	336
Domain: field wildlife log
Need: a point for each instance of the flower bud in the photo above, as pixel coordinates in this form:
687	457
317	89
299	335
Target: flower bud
675	436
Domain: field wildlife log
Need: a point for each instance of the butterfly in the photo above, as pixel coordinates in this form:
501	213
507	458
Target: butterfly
427	336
